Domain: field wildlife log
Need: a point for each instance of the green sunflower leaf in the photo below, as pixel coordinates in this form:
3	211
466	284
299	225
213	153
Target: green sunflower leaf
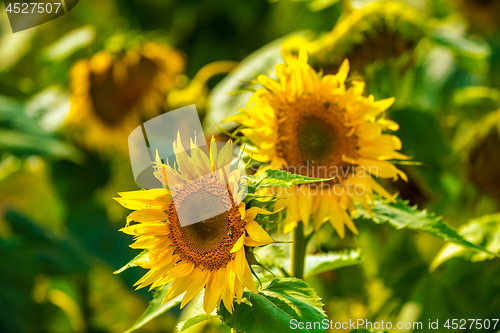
280	178
271	255
279	307
155	308
184	325
401	215
483	231
143	256
319	263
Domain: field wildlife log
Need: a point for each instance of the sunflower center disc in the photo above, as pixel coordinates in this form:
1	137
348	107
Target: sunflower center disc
203	233
115	97
313	138
207	243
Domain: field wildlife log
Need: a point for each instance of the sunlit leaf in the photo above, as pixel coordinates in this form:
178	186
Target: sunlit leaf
319	263
281	178
477	95
317	5
70	42
472	54
184	325
401	215
483	231
141	257
223	103
275	308
14	48
271	255
155	308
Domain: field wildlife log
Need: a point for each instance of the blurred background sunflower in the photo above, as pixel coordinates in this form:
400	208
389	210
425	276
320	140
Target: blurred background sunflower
113	94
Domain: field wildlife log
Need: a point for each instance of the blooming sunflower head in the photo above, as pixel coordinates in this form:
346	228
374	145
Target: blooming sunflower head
315	126
209	254
112	94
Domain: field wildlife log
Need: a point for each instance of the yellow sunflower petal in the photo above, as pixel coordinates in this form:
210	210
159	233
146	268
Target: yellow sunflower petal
336	217
239	244
305	205
343	71
252	212
178	287
239	288
183	268
256	232
143	194
199	281
214	290
137	204
147	215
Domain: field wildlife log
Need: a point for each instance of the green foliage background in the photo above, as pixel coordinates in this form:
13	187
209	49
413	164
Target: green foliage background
59	243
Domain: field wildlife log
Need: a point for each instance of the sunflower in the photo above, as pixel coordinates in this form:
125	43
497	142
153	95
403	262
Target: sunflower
377	32
112	94
316	127
210	254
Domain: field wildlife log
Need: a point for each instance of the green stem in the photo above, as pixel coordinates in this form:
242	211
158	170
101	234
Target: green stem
298	251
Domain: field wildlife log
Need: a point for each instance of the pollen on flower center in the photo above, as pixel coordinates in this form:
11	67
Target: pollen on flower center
313	137
208	243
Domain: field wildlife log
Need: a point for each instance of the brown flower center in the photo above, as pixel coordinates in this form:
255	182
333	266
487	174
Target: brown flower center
313	138
115	96
208	243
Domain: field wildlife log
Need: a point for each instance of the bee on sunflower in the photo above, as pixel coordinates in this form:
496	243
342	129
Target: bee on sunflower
210	254
113	94
315	126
